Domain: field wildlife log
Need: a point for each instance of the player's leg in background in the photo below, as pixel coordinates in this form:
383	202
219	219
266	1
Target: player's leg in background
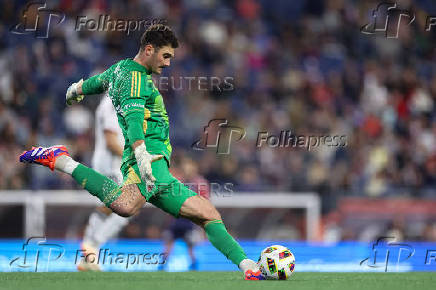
190	243
102	226
202	212
168	247
179	229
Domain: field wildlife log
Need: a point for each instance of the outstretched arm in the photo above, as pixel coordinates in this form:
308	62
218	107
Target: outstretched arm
94	85
74	93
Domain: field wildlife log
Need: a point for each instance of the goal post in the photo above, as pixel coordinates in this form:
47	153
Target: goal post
35	203
308	201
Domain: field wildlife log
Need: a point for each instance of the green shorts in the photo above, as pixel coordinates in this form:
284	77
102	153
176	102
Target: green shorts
169	193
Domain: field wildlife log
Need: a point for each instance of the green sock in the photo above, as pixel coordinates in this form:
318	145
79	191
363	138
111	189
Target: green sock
219	237
97	184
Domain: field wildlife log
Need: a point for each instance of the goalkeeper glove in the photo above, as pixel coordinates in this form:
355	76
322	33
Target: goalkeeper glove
144	160
72	95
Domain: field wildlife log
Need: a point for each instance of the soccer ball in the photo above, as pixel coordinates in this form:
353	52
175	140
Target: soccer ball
276	262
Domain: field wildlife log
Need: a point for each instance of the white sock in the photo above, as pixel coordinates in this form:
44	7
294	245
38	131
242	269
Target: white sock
102	228
66	164
248	264
109	228
96	219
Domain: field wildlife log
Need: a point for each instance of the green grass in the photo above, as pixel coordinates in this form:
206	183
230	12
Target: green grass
212	281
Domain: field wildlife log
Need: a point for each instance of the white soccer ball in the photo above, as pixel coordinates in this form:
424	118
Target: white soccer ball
276	262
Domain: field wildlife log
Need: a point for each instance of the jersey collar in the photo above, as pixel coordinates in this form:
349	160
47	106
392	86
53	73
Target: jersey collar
141	67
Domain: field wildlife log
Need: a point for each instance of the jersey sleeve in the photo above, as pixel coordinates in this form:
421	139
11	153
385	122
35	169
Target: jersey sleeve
134	96
97	84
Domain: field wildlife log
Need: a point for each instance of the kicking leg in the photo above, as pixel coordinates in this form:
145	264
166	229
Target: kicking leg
125	201
177	200
202	212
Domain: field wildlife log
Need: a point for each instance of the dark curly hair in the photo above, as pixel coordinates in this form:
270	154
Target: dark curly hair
159	35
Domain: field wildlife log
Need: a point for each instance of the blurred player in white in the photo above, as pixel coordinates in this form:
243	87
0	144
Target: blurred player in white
109	142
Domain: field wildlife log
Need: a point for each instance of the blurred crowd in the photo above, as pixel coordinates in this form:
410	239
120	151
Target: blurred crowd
294	65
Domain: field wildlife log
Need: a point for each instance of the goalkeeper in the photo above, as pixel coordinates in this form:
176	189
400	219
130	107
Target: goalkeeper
146	157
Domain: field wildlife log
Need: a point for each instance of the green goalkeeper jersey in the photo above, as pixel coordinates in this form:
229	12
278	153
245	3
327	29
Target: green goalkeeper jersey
131	89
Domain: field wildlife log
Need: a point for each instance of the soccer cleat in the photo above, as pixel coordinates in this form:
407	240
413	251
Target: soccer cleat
44	156
89	263
252	275
193	266
84	266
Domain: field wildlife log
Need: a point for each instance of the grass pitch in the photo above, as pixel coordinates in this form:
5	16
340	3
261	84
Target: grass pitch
212	281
